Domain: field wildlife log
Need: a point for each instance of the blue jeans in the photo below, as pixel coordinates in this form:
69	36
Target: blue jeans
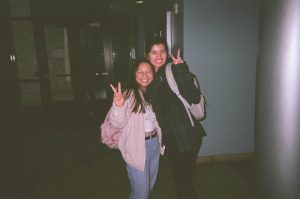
142	182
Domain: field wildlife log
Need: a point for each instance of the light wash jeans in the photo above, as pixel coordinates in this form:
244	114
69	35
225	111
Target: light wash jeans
142	182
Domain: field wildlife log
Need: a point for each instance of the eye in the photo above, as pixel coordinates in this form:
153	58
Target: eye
154	52
149	72
139	72
163	52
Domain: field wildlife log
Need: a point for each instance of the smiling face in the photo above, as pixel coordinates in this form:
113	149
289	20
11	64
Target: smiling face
144	75
158	55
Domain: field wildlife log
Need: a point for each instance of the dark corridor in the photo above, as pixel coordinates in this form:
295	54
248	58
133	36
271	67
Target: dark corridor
64	53
50	145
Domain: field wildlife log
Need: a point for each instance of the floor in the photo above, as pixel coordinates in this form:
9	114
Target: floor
59	156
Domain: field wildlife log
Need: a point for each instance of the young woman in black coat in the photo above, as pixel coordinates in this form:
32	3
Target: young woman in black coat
181	138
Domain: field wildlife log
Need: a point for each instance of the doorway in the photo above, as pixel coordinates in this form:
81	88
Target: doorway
91	64
66	64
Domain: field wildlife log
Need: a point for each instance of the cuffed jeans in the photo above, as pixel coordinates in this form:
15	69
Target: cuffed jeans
142	182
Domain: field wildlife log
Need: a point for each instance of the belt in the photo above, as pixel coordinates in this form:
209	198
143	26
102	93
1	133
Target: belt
151	136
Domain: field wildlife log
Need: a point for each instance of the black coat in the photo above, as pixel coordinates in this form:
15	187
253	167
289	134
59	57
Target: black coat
170	112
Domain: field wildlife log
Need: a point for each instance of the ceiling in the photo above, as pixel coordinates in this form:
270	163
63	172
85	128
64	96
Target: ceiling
77	11
83	8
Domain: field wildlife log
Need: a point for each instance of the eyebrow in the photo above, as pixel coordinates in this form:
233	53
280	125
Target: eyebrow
164	50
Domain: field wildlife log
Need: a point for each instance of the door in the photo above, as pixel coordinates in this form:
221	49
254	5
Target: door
76	65
58	62
25	57
71	63
174	27
9	105
91	63
103	53
84	58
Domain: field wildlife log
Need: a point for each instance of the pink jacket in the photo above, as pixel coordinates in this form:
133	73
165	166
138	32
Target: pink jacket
132	139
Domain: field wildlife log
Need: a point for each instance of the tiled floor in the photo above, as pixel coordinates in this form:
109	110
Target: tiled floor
59	156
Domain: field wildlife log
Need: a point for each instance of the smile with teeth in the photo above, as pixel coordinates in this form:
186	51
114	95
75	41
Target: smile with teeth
146	80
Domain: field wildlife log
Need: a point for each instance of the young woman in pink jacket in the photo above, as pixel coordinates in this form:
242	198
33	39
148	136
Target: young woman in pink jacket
140	139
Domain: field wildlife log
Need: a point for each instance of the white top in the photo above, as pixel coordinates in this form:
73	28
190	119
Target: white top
150	118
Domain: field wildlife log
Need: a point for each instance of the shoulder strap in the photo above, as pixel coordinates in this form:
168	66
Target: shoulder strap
173	85
170	78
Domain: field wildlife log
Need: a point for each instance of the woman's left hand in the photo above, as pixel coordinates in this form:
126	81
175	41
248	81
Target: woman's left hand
177	60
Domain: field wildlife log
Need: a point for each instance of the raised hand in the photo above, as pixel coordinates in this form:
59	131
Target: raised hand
118	96
177	60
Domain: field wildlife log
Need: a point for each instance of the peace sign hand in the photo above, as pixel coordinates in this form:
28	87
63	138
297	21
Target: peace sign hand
118	96
177	60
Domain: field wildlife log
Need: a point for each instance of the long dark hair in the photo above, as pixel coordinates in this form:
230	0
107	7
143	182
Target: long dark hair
140	99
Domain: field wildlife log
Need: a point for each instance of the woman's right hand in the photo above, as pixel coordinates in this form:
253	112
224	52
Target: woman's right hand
118	96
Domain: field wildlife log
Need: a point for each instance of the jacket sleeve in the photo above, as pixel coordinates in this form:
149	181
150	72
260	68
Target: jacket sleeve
118	117
185	82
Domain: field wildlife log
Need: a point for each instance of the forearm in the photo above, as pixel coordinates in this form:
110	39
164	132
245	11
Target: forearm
118	116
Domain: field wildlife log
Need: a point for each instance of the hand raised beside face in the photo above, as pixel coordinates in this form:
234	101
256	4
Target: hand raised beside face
178	59
118	96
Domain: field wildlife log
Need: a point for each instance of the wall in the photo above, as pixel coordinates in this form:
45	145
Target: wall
220	45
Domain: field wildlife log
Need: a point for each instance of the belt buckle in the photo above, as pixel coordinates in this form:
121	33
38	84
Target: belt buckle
151	136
